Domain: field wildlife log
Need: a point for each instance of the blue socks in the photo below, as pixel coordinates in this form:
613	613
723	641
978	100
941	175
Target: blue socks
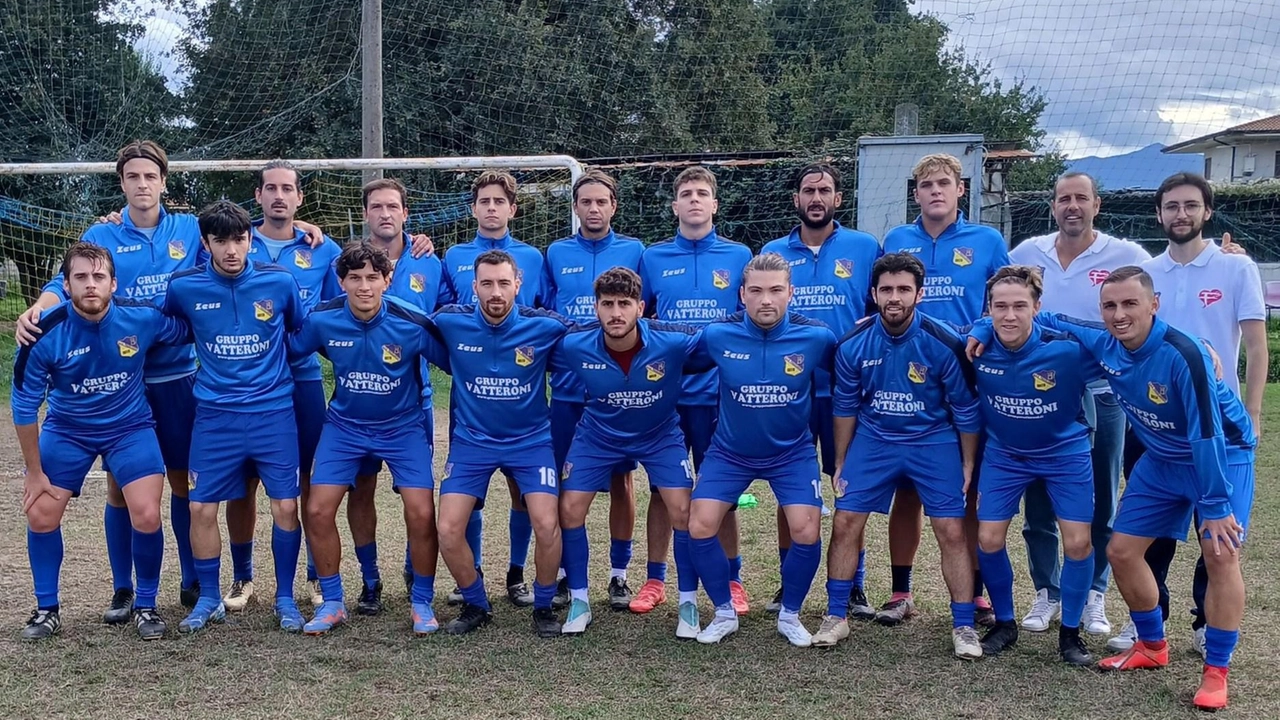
311	561
242	561
119	530
543	595
424	589
209	575
619	554
331	588
1219	645
408	562
686	574
782	556
180	519
286	545
575	555
657	571
521	528
44	552
712	565
1149	624
860	575
148	552
962	614
797	574
998	573
475	534
368	557
474	594
1077	579
735	568
838	597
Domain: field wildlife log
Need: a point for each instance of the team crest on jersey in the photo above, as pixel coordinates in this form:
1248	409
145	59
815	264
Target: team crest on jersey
264	309
417	282
1045	380
177	250
1209	296
793	364
962	257
524	355
720	278
655	371
1157	393
128	346
302	258
844	268
917	372
1096	276
564	471
391	354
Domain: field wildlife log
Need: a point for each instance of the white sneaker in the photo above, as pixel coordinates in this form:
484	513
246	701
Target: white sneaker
720	628
690	624
238	597
317	597
1197	638
966	642
1094	620
1125	640
578	620
795	633
1042	614
831	632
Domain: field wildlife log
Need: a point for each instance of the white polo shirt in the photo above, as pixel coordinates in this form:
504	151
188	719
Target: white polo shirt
1209	297
1074	290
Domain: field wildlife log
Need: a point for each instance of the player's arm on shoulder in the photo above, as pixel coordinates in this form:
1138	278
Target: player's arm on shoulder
172	330
1190	377
437	347
699	358
981	334
307	339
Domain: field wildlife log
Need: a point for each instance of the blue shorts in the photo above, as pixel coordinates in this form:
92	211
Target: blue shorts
469	467
343	448
874	470
698	423
592	463
1005	477
226	444
173	407
66	459
1160	498
793	477
371	465
309	413
822	425
565	417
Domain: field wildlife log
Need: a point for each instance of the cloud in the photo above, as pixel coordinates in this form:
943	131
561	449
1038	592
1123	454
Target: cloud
1122	74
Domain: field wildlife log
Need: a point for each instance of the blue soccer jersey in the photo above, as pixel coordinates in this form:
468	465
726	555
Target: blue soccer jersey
240	326
957	266
572	266
694	282
460	270
143	266
312	270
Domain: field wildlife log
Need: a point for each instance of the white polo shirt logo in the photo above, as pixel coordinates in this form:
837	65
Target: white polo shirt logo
1209	297
1098	275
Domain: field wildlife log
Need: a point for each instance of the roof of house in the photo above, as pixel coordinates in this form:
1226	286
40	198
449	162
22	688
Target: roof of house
1265	126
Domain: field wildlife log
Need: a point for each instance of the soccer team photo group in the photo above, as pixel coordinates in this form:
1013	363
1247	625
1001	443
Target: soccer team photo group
1073	383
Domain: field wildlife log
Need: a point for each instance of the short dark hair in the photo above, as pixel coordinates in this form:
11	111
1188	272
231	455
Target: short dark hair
223	219
1072	174
1129	272
618	282
384	184
818	169
96	254
497	257
146	150
360	253
503	179
1186	178
896	263
1025	275
596	177
279	165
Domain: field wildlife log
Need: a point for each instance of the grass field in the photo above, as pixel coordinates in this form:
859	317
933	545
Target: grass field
625	666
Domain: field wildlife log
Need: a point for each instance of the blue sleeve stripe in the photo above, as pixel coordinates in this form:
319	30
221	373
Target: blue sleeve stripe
1206	400
664	326
412	316
197	270
1082	323
333	304
860	327
47	323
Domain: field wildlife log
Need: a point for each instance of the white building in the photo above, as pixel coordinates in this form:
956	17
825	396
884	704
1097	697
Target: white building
1239	154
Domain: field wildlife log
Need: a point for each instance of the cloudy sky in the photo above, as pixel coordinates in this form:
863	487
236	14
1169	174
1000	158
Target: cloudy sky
1118	74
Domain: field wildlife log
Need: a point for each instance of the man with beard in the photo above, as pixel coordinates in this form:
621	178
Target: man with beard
902	381
1215	295
831	274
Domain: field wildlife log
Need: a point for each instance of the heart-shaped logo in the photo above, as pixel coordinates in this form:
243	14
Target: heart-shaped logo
1209	297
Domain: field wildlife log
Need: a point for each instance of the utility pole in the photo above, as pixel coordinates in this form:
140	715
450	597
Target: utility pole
371	83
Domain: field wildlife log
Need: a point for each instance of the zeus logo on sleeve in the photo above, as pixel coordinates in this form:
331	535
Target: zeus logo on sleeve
899	404
764	396
367	383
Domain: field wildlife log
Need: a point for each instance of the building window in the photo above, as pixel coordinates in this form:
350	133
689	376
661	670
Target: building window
1208	167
